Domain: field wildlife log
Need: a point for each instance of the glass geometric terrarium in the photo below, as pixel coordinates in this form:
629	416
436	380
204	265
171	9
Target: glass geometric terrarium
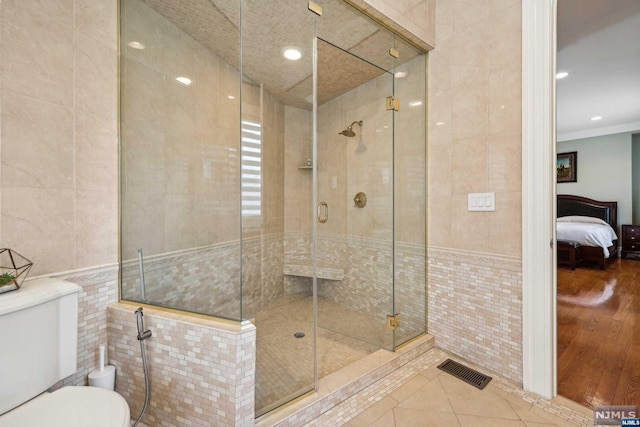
13	270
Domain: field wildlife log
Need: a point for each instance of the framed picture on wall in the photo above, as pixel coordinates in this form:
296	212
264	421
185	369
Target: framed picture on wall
567	167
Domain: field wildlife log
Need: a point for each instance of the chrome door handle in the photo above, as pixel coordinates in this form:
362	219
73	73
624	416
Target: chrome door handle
323	212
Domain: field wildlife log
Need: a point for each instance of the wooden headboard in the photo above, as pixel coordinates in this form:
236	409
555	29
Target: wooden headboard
576	205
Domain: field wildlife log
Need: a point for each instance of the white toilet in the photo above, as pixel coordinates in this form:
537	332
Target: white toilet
39	334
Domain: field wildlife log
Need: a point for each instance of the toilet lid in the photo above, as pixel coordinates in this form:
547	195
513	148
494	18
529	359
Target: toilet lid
71	407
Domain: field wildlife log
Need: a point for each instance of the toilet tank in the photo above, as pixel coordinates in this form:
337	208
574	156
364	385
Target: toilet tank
38	338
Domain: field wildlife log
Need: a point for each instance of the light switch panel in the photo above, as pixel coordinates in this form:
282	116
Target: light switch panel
481	202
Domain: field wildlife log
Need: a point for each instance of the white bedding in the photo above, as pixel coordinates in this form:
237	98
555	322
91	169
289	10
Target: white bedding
586	231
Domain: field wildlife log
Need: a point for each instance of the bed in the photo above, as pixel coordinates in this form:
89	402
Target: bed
591	224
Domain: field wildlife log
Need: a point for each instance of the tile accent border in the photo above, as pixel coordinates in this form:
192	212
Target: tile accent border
492	260
475	308
553	407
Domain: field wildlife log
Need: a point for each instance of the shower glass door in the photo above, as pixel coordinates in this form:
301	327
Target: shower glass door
410	195
275	185
371	174
354	206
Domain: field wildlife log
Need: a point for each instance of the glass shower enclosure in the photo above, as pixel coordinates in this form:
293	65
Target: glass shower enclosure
273	169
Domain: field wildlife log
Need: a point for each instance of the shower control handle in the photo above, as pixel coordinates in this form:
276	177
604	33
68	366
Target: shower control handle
360	200
323	212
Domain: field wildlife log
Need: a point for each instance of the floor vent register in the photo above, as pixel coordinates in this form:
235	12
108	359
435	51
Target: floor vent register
464	373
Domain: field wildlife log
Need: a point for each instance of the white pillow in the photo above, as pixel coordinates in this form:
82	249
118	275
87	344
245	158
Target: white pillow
585	219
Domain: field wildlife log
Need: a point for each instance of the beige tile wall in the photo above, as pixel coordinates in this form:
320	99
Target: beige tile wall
208	279
474	138
298	182
362	163
274	194
411	154
416	19
181	159
475	308
58	130
99	290
181	144
202	372
365	163
475	125
60	201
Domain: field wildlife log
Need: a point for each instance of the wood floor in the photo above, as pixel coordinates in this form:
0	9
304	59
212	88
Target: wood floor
599	334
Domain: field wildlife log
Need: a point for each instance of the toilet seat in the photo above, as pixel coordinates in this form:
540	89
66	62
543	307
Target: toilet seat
73	406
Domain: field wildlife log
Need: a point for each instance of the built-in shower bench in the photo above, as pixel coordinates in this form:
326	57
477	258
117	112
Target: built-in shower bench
306	270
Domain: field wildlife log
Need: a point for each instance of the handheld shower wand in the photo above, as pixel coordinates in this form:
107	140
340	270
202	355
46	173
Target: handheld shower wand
143	335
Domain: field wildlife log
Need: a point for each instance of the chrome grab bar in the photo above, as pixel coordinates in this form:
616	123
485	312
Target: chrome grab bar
323	212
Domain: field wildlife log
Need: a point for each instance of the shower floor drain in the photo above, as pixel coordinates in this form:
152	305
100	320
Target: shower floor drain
299	335
464	373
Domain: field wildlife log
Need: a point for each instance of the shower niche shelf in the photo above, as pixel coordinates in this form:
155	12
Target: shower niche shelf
305	167
306	270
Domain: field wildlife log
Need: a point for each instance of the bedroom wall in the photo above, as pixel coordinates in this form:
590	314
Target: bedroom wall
635	177
604	171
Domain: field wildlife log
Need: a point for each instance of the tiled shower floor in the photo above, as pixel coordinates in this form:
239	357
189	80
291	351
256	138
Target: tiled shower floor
284	365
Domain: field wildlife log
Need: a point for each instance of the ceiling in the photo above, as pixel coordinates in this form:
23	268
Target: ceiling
599	45
268	26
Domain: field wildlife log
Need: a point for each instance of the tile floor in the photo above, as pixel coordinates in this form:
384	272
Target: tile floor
419	394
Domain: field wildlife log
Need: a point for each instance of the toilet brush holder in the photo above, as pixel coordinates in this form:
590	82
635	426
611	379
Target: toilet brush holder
103	379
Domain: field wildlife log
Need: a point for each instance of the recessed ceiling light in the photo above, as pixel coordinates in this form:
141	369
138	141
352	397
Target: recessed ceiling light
292	53
136	45
561	75
231	97
415	103
596	118
184	80
439	123
400	74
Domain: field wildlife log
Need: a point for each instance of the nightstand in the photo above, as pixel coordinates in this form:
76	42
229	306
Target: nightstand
630	240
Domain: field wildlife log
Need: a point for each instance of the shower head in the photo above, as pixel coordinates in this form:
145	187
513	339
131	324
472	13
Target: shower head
348	132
